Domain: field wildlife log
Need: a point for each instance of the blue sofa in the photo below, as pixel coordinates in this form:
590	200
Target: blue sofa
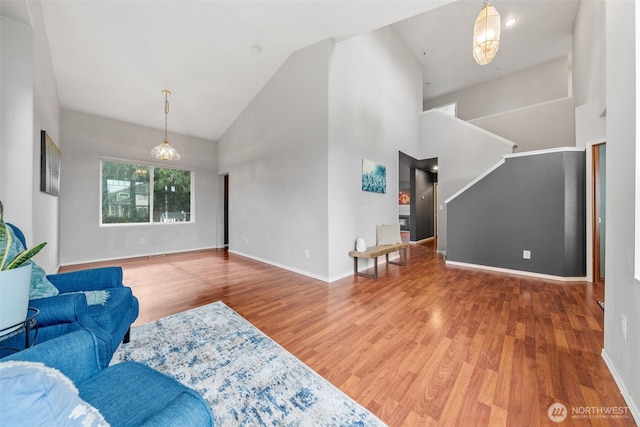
125	394
69	311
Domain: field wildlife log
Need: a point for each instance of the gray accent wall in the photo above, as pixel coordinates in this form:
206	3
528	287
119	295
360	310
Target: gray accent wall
418	177
422	196
463	151
532	202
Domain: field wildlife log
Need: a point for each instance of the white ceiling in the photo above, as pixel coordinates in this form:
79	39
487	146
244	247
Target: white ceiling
441	40
113	58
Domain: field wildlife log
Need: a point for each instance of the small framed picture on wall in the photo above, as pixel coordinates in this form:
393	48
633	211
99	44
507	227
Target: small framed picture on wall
49	165
374	177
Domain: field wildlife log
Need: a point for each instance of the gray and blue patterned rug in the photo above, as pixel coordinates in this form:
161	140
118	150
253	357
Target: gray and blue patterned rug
247	378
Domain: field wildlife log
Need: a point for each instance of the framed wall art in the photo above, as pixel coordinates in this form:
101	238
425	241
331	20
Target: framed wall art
49	165
374	177
404	197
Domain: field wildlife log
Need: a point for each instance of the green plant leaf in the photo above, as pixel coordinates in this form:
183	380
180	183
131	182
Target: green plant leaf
5	243
24	256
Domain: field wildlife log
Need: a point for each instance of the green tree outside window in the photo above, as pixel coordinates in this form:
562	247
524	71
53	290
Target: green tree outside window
126	197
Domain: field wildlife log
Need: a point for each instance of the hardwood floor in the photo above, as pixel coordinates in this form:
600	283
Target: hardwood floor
425	344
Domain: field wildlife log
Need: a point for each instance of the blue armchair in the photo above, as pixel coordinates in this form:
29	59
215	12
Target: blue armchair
69	311
125	394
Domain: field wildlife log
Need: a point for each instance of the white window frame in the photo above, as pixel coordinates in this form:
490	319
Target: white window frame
151	167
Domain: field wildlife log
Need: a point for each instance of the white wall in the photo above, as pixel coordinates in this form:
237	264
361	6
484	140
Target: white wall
588	52
589	76
87	139
589	89
275	153
464	152
17	148
46	117
29	104
374	101
294	156
622	292
534	85
536	127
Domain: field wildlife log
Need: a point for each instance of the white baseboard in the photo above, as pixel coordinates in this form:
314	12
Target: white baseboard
519	272
633	408
418	242
284	267
140	255
381	261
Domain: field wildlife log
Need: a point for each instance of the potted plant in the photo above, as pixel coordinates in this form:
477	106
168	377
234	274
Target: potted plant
15	278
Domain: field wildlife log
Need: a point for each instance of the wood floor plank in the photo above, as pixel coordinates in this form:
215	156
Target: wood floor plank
424	345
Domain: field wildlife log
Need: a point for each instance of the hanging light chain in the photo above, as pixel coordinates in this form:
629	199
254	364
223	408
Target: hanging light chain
166	112
164	151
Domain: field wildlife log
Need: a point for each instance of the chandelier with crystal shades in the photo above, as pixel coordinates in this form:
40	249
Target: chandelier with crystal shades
165	151
486	34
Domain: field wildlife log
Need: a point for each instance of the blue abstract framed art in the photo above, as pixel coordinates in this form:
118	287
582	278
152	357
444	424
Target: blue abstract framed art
374	177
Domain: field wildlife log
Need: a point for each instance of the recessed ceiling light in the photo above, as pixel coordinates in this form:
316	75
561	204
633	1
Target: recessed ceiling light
510	22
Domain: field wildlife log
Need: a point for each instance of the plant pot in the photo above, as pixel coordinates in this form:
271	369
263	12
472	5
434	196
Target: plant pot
14	296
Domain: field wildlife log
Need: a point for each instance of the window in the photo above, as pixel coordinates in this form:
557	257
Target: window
126	195
171	195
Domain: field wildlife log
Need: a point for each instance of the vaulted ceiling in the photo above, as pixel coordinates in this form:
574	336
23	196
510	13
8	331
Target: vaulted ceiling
441	40
113	58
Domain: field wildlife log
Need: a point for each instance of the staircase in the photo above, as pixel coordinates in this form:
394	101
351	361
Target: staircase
526	213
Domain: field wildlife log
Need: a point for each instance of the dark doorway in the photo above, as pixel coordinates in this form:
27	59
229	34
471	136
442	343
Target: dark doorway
418	179
226	210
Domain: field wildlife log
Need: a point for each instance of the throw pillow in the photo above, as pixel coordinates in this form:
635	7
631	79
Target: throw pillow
41	287
388	234
35	394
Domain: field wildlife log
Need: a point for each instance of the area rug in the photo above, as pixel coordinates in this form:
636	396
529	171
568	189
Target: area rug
245	376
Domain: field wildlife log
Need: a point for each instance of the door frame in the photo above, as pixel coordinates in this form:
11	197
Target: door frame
595	155
436	200
225	212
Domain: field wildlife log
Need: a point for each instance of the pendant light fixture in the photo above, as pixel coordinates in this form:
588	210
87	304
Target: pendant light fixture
486	34
165	151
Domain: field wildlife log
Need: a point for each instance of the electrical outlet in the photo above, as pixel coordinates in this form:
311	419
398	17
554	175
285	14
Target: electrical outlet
526	254
306	253
142	240
246	240
623	324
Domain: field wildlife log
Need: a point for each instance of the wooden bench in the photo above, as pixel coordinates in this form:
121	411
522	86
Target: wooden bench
373	252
